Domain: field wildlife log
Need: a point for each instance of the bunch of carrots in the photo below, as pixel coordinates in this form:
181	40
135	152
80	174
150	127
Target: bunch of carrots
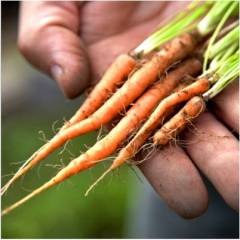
164	84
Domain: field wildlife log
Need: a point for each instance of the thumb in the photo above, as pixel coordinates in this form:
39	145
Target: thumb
48	38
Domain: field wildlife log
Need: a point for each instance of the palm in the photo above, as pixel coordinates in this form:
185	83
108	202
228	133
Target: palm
108	29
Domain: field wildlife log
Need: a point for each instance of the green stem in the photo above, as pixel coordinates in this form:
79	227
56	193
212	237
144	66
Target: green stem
223	55
221	84
225	42
229	51
220	25
208	23
227	73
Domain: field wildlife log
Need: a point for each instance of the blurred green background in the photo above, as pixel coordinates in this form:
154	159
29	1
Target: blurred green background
31	102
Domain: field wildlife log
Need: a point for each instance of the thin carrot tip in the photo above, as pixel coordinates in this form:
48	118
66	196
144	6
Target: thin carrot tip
97	181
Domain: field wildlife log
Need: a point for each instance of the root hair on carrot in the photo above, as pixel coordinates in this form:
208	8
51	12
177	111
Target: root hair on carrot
100	134
64	148
38	170
42	136
65	122
54	166
16	163
145	147
97	181
147	156
72	155
25	189
15	176
174	141
54	129
86	146
7	175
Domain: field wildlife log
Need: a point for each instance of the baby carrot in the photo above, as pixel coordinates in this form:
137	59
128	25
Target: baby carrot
115	74
155	119
192	109
176	49
183	84
134	117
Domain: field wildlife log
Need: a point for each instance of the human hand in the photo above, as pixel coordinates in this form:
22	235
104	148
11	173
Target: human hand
70	40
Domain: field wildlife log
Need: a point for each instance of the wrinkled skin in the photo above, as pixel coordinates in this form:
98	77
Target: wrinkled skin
75	42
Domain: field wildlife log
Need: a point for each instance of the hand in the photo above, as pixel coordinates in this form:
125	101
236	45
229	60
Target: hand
70	40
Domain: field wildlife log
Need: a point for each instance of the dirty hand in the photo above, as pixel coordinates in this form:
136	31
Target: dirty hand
75	42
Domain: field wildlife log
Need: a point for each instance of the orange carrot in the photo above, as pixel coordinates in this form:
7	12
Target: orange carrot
155	119
192	109
136	114
184	82
176	49
115	74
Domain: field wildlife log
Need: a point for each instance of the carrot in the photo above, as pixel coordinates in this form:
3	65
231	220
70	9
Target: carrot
115	74
155	119
136	114
176	49
182	84
177	123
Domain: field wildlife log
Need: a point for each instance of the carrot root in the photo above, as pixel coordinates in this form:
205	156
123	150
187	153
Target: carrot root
155	119
133	118
192	109
176	49
191	67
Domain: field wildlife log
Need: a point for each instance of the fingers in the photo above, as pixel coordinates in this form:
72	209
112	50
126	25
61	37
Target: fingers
215	151
226	106
177	181
48	39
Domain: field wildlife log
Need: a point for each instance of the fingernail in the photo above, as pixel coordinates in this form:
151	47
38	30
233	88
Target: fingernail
56	72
